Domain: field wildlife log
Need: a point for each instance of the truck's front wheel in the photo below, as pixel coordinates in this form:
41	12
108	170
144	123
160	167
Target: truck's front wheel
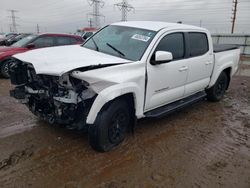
110	127
216	92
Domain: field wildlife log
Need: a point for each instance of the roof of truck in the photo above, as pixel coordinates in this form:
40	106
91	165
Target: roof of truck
155	25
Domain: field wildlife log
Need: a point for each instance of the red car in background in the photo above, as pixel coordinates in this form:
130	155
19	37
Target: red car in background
33	42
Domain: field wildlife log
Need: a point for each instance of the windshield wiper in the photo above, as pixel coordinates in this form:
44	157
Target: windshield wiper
96	47
115	49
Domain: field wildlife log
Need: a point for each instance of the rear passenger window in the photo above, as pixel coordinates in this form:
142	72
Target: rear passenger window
198	43
173	43
74	40
63	41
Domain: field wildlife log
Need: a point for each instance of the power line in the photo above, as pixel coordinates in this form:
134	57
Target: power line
90	23
13	26
234	11
56	14
97	4
124	7
37	28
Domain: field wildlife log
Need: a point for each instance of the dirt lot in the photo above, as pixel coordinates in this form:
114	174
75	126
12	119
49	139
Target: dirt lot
206	145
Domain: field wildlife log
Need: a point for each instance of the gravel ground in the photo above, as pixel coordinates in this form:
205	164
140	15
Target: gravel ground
205	145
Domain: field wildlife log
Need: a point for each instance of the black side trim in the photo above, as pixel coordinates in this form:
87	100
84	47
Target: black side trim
172	107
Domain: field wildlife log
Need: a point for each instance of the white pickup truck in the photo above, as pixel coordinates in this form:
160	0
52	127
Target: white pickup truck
124	72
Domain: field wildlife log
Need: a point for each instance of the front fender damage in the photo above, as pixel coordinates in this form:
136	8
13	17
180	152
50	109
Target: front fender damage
56	99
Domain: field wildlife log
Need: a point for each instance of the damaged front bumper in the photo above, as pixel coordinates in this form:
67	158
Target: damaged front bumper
63	100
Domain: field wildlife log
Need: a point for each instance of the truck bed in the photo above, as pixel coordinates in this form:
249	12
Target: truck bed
226	56
224	47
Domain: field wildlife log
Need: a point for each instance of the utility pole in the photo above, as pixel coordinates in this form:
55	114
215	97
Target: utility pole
97	4
90	23
124	7
200	23
37	28
234	11
13	20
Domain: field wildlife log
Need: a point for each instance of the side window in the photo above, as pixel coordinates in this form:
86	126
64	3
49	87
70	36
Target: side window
44	41
198	43
74	40
63	41
173	43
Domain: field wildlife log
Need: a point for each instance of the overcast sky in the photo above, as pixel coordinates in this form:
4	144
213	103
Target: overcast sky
68	15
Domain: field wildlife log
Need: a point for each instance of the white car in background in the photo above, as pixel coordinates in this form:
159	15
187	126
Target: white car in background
124	72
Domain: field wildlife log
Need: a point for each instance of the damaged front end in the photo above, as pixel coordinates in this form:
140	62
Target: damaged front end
56	99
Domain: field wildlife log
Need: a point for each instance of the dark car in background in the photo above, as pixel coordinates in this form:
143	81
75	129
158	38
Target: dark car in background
86	32
86	35
16	38
7	37
33	42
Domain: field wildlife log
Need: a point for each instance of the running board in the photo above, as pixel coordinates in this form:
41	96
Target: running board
172	107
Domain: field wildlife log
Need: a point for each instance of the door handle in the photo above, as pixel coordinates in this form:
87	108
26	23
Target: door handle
183	69
208	63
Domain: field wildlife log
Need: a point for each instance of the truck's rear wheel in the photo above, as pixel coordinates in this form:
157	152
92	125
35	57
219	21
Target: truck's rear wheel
110	127
217	92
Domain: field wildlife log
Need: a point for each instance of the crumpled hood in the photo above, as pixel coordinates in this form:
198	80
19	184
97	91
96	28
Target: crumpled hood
59	60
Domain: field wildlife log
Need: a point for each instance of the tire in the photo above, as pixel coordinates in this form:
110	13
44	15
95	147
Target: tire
4	69
217	92
110	127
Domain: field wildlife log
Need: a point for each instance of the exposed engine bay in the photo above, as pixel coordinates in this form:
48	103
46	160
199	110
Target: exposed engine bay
63	100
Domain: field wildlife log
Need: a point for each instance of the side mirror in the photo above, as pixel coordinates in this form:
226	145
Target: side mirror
162	57
30	46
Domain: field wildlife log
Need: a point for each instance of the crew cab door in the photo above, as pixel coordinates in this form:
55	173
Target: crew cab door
200	62
166	82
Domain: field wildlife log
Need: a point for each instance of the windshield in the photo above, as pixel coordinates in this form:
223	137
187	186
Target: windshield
126	42
23	42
